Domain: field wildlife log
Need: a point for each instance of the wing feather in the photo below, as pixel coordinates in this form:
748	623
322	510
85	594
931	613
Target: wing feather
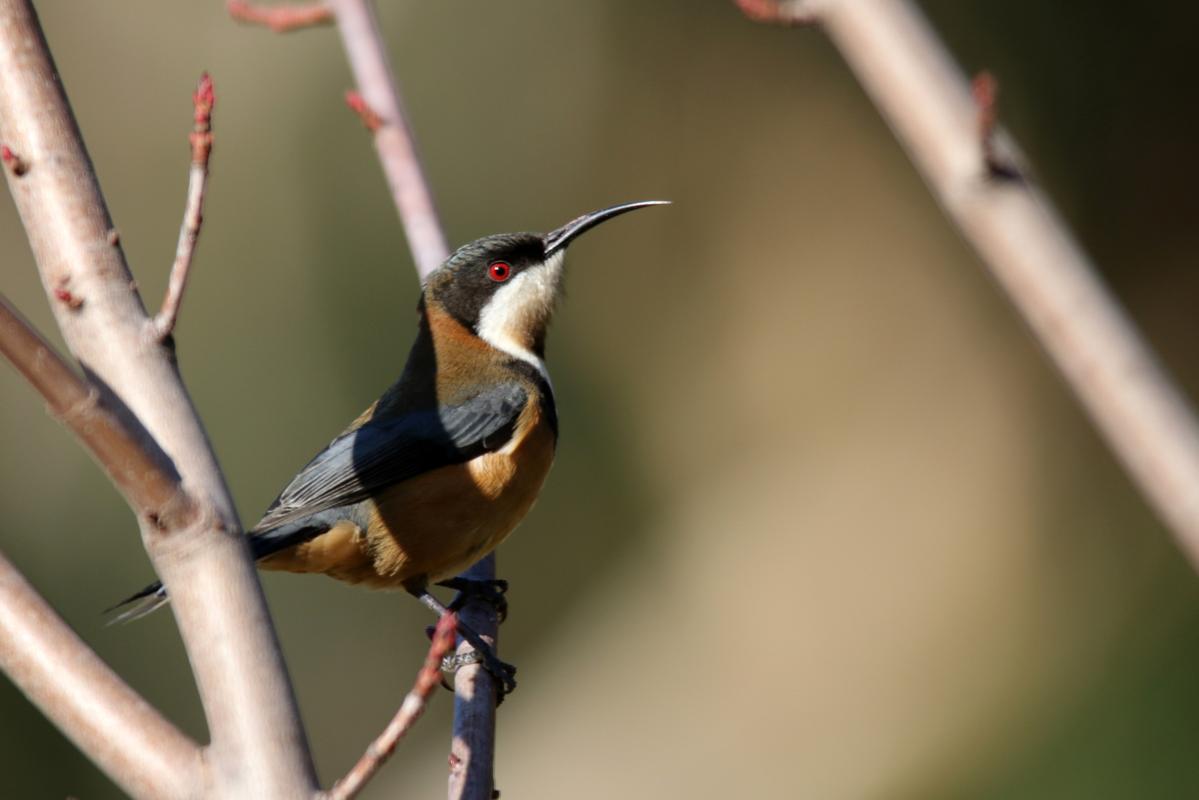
390	449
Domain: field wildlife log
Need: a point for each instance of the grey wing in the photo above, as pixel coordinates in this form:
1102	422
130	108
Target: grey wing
387	450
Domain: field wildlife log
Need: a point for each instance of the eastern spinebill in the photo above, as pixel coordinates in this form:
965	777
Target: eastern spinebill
441	468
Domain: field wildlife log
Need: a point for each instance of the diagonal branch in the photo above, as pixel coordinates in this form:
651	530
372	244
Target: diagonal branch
141	751
258	746
780	12
969	165
193	214
144	753
415	702
140	470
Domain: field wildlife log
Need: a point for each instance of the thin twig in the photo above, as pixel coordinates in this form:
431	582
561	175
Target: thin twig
427	680
926	99
281	18
203	100
393	137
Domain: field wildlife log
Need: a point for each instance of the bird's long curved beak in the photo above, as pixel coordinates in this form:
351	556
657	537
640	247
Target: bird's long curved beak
557	239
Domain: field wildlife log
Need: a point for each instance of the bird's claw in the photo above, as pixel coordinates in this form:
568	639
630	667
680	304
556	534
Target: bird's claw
492	592
503	672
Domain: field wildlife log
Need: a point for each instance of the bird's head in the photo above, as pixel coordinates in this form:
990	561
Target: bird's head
504	287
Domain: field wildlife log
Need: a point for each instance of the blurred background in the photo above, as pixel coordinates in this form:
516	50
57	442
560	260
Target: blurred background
824	523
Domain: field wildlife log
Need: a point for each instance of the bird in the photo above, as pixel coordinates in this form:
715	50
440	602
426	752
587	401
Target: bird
443	466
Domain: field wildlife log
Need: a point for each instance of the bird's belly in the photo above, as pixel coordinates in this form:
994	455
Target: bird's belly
435	525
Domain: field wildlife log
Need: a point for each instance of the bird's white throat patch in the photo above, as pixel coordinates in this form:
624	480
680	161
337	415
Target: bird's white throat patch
518	310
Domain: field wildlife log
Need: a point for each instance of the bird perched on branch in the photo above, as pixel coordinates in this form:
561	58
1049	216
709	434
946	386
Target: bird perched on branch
441	468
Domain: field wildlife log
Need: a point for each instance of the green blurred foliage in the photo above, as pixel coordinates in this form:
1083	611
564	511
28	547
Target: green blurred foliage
799	323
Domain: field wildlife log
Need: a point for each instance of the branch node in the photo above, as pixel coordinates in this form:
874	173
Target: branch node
357	103
17	165
82	408
985	89
67	298
793	13
281	18
113	237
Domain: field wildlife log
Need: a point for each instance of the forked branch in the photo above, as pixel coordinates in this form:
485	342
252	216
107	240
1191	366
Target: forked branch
258	748
141	471
143	753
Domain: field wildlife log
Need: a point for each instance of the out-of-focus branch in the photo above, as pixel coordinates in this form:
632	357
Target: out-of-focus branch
415	702
393	137
926	100
357	103
258	747
780	12
203	100
281	18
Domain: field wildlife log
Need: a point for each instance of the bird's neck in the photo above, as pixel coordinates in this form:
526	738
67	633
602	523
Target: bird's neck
446	354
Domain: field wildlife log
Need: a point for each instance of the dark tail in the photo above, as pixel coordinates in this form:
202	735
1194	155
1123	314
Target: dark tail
262	544
152	598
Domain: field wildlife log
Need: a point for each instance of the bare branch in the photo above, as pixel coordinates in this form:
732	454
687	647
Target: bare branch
428	679
393	137
203	99
141	751
281	18
258	746
133	461
472	749
144	753
926	100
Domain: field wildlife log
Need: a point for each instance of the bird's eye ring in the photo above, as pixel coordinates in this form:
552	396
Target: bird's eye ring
499	271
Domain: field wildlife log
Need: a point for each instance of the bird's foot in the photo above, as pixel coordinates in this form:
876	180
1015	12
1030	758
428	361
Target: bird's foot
503	672
492	592
484	652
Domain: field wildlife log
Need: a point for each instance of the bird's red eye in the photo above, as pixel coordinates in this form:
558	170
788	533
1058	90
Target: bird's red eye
499	271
